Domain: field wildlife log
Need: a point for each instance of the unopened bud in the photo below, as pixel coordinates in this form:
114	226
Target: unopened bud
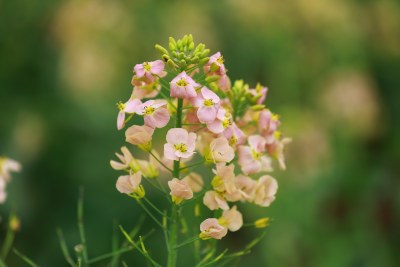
213	78
161	49
262	223
165	57
205	52
15	223
258	107
171	63
204	60
172	44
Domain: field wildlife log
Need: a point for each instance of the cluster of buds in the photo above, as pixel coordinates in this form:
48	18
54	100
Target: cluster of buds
6	167
209	122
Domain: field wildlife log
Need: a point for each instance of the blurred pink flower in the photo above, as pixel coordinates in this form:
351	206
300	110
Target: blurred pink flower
276	149
183	86
139	135
232	219
234	135
207	103
265	191
7	166
220	151
210	228
154	113
222	121
267	124
259	93
214	201
180	190
251	158
129	107
194	181
180	144
128	184
215	65
150	69
224	179
245	188
126	158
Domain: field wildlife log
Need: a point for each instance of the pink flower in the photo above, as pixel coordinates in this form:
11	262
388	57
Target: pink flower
259	93
234	135
265	191
150	69
267	124
210	228
214	201
194	181
128	184
142	88
215	65
183	86
129	107
220	151
224	179
208	103
139	135
276	148
180	190
251	159
180	144
232	219
245	188
154	112
222	121
126	159
224	83
7	166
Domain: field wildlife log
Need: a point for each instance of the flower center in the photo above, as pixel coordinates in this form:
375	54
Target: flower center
208	103
227	122
146	66
256	155
121	106
220	60
233	140
182	82
148	110
180	147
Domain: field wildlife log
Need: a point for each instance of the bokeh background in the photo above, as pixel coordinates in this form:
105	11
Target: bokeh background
333	72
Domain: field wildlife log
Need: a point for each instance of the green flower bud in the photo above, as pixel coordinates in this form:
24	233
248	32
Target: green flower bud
172	44
258	107
171	63
191	46
204	60
165	58
179	45
205	52
161	49
185	40
213	78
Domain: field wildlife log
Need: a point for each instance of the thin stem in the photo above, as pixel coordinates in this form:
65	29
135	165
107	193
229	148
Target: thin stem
25	258
154	207
9	239
82	228
159	161
187	242
192	165
149	213
64	247
172	251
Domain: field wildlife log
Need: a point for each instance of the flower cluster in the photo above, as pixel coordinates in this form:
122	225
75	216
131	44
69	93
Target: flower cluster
209	122
6	167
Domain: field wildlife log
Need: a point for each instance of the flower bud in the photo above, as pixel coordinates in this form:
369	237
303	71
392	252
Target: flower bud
213	78
258	107
204	60
172	44
14	223
261	223
161	49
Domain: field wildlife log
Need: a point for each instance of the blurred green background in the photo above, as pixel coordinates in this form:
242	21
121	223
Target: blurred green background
333	72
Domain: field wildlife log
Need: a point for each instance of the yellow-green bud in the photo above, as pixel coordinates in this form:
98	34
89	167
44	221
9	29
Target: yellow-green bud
213	78
139	193
161	49
172	44
262	223
185	40
205	52
14	223
191	46
171	63
165	57
195	59
179	45
258	107
204	60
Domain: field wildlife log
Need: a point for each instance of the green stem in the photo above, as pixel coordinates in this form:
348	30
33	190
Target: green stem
192	165
172	250
159	161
